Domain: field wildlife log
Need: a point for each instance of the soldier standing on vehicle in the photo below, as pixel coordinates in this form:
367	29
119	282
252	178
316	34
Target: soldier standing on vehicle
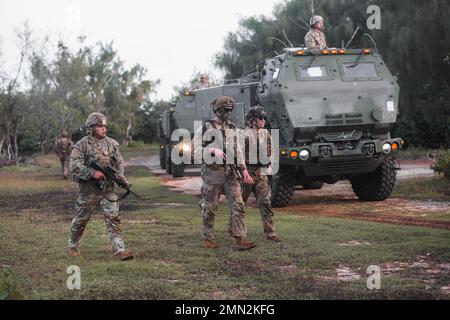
257	135
202	84
94	190
63	148
219	178
315	38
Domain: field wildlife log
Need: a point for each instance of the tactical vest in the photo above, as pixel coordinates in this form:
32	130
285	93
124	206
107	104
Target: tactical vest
103	152
258	160
231	126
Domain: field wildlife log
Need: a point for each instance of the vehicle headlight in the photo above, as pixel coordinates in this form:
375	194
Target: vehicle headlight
185	147
304	155
387	148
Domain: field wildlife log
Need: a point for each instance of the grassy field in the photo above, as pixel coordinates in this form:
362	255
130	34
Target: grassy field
319	258
423	189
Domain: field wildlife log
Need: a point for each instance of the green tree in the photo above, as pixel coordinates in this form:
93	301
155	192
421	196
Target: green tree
13	104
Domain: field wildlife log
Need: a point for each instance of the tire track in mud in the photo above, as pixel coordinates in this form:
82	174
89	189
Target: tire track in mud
379	218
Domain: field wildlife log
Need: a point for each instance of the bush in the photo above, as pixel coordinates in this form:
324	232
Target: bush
442	164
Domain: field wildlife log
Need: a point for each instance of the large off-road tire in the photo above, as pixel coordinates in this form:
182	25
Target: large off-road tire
177	170
313	185
376	186
162	158
168	160
282	189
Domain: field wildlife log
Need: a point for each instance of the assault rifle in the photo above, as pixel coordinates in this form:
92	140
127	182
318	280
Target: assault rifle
237	174
111	174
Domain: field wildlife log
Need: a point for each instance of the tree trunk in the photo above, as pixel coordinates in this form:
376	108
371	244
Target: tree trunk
128	138
15	146
1	146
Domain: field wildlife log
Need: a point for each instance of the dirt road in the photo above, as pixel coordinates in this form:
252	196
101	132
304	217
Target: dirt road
336	200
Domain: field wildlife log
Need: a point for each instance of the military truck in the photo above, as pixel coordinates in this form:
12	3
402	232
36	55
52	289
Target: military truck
334	110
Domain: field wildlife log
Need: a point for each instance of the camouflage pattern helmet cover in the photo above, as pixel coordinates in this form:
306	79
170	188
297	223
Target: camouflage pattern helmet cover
96	119
314	20
256	113
222	103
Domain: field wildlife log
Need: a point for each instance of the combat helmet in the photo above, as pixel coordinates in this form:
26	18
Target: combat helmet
95	119
256	112
223	103
314	20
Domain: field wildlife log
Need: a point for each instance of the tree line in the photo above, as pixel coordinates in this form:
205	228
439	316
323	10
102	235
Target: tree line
413	40
48	93
51	91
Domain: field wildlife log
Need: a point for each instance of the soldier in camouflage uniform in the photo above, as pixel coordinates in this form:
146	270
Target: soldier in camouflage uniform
94	190
219	178
315	38
202	84
63	148
257	135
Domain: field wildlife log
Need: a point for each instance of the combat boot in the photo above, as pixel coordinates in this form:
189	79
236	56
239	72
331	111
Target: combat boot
243	244
123	255
73	252
274	238
210	244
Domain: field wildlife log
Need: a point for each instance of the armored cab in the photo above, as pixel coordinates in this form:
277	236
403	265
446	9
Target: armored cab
334	110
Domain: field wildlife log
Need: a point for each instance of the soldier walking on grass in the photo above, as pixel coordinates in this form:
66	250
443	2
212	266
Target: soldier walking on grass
220	178
257	135
63	148
94	189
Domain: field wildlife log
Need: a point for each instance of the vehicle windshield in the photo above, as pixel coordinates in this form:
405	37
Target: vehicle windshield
313	72
360	70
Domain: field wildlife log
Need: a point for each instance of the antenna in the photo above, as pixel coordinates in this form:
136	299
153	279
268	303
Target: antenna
371	39
298	25
273	38
287	39
353	37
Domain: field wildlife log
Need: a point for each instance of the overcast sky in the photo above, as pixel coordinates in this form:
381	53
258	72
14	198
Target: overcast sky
173	39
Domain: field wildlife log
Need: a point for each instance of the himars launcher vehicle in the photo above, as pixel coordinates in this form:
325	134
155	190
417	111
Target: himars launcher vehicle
334	110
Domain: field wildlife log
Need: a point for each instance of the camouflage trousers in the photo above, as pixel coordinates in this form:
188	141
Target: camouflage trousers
85	206
65	165
217	181
261	190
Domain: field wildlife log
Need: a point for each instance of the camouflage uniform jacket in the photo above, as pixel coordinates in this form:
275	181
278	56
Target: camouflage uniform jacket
315	39
262	139
63	147
106	151
199	145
